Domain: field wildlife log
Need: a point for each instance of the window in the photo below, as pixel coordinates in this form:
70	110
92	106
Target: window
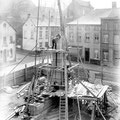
11	40
87	37
96	37
40	28
71	37
4	42
46	34
46	44
96	54
116	26
79	37
96	28
116	39
105	55
11	53
116	57
46	28
105	39
116	54
87	28
40	44
32	34
105	26
40	34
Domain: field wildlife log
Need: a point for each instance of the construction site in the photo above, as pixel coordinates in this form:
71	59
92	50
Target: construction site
60	90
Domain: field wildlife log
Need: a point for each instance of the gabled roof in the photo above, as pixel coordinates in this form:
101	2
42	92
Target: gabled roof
93	18
2	20
114	14
83	3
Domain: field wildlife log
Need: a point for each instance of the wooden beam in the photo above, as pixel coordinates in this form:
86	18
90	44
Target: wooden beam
73	67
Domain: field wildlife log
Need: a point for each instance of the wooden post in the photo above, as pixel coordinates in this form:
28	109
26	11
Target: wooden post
66	89
100	111
93	112
79	108
25	72
14	79
4	81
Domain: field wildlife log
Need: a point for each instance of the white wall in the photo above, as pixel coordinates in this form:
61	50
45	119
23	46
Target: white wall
7	32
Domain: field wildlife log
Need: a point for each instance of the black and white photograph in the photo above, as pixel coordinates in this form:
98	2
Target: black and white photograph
59	59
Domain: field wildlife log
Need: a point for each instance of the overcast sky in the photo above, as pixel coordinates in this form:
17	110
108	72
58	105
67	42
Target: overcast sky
64	3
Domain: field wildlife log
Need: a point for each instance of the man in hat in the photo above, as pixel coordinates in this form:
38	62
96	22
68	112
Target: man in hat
55	40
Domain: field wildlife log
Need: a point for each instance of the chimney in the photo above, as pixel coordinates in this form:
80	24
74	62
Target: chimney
114	5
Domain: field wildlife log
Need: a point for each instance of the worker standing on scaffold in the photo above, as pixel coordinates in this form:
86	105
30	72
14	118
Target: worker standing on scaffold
55	40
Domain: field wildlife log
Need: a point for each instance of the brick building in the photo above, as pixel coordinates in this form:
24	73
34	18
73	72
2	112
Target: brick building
77	8
110	33
85	32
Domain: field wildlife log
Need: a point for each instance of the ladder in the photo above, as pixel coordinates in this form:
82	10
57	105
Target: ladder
62	108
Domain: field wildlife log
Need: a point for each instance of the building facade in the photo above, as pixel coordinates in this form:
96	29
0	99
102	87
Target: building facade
77	8
46	31
97	34
7	42
110	44
85	39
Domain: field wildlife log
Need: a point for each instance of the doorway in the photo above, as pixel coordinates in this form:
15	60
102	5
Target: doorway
87	54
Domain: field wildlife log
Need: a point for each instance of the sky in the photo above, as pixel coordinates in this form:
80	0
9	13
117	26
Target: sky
95	3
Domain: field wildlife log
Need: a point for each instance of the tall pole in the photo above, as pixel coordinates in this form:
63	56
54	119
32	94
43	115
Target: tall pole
49	30
37	38
101	56
62	28
63	39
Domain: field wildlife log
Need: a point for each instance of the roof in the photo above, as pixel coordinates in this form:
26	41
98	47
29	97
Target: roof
83	3
114	14
2	20
16	23
44	22
93	18
44	11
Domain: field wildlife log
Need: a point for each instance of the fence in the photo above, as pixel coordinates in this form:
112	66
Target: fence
17	77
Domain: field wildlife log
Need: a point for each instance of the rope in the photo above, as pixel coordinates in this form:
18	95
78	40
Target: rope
23	58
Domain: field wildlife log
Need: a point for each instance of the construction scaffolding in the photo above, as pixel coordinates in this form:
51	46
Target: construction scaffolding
87	94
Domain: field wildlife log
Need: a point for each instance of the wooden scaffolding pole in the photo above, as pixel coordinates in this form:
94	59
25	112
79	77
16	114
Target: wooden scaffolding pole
63	45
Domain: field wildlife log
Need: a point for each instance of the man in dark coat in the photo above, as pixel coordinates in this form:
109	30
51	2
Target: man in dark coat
55	40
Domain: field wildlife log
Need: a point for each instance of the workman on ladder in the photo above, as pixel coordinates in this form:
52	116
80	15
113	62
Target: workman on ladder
55	40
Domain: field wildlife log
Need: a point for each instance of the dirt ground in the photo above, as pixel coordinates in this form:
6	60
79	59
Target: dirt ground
9	100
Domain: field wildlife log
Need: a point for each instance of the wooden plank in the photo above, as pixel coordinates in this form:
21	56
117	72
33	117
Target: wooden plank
73	67
25	72
102	91
14	79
